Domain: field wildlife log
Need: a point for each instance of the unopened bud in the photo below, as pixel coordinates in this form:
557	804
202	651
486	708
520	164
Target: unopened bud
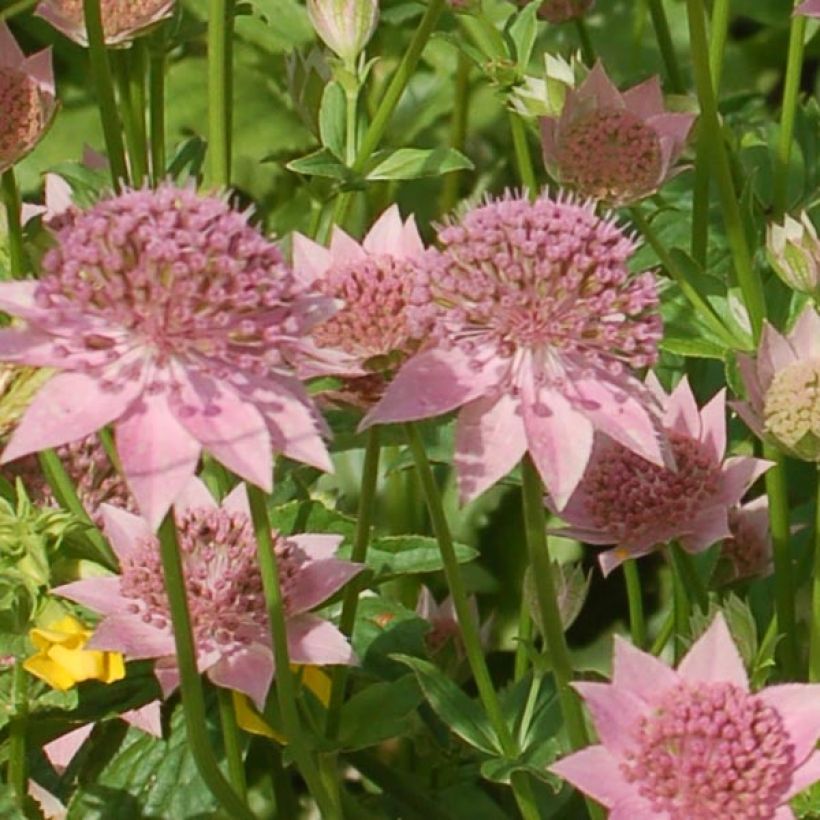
345	26
544	96
794	253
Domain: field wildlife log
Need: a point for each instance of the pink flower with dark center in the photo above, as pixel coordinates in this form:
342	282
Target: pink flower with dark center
748	551
560	11
783	387
613	146
695	743
122	20
372	282
811	8
625	500
168	317
225	595
27	98
534	325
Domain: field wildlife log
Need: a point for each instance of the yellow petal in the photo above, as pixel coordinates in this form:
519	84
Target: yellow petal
114	667
249	719
318	682
81	665
41	666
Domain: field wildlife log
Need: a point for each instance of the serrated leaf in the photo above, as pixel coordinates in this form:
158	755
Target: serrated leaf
332	119
415	163
321	163
463	716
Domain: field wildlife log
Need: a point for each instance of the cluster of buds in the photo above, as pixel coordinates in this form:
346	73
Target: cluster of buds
794	252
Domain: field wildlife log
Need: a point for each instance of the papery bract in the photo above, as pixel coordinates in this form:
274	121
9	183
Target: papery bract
695	743
535	324
794	253
225	596
748	551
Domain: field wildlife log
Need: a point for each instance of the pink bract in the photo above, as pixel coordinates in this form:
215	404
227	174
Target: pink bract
783	387
811	8
225	597
27	98
695	743
638	506
613	146
168	317
122	20
535	325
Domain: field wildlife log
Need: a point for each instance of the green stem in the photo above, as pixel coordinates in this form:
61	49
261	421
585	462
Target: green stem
285	686
350	599
458	129
689	576
750	283
17	774
524	645
523	159
390	99
777	490
11	198
682	609
66	495
156	104
791	91
101	73
587	49
701	306
664	38
193	701
220	30
718	34
667	628
352	97
130	117
469	628
552	628
230	739
814	649
637	621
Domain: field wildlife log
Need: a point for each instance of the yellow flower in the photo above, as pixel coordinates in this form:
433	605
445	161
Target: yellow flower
61	660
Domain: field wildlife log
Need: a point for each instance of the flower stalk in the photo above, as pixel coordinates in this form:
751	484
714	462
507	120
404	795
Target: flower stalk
17	774
664	38
637	619
814	643
523	158
220	33
156	104
230	740
11	198
132	114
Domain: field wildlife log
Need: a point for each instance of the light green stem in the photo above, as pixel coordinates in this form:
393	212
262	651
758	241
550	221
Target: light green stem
156	104
458	129
193	701
130	117
814	649
524	645
664	38
350	599
101	73
667	628
682	609
637	621
777	490
552	627
791	91
285	686
17	769
220	31
351	113
230	739
688	575
11	199
750	283
523	159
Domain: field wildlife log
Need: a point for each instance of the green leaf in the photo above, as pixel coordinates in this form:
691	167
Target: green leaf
523	32
414	163
332	119
463	716
310	516
394	703
534	762
321	163
188	159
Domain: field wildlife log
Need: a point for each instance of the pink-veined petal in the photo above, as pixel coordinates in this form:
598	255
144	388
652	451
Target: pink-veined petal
310	260
344	249
805	775
714	658
123	529
316	581
639	672
101	595
317	545
385	237
248	670
805	335
596	772
798	705
681	414
133	638
616	713
147	718
11	56
713	420
196	495
312	640
60	752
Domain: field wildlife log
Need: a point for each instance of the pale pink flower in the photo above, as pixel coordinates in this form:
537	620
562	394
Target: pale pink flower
613	146
695	743
122	20
225	596
27	98
536	326
638	506
167	315
748	551
811	8
783	387
560	11
372	282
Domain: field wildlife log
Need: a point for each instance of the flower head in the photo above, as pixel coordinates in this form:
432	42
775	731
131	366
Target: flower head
167	316
122	20
695	743
794	253
560	11
783	386
627	501
534	325
225	598
748	551
27	98
373	282
345	26
618	147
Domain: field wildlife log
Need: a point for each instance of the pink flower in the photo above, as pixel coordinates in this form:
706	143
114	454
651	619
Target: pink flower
372	282
625	500
695	743
122	20
560	11
27	98
534	324
748	551
443	621
167	315
811	8
783	386
225	597
618	147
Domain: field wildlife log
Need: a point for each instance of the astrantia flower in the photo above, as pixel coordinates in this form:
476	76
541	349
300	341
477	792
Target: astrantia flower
167	315
618	147
748	551
373	282
536	325
783	387
122	20
627	501
811	8
225	596
695	743
560	11
27	98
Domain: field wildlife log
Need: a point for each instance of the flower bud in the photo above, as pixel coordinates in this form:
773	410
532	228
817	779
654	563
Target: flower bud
544	96
794	253
345	26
